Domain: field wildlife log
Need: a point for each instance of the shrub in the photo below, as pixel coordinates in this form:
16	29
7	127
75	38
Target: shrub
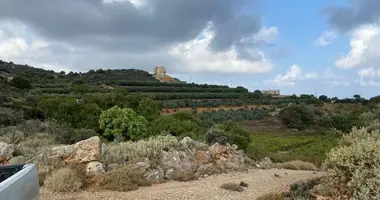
65	134
298	117
232	187
10	117
298	165
271	196
20	82
123	123
127	151
180	175
64	180
122	179
302	189
353	168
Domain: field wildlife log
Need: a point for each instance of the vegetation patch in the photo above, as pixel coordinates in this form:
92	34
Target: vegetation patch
298	165
232	187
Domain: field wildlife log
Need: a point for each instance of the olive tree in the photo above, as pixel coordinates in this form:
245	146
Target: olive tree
123	123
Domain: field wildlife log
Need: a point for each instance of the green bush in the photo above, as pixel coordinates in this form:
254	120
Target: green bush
353	168
20	82
228	133
123	123
298	116
10	117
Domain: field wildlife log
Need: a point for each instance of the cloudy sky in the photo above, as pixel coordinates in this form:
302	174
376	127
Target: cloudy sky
327	47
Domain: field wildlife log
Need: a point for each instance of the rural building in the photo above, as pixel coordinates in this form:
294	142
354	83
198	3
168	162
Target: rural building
271	92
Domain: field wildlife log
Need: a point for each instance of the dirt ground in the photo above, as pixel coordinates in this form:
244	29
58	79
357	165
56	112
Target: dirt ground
260	182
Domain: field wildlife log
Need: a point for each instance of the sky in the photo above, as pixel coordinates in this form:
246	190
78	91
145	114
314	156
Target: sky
322	47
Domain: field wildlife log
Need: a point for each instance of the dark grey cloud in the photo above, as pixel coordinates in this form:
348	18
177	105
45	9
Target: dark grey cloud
115	26
357	12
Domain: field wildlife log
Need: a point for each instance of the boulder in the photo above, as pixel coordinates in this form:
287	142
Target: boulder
183	160
17	160
6	151
155	175
81	152
139	168
217	151
94	168
203	157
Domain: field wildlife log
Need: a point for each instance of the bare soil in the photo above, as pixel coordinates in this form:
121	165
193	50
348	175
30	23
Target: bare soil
260	182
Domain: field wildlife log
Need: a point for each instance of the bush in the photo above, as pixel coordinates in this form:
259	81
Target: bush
298	116
228	133
232	187
126	151
123	123
9	117
65	134
353	168
123	179
298	165
64	180
20	82
302	189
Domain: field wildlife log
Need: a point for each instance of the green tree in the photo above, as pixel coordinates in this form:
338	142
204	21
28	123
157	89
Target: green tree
257	94
20	82
298	117
148	108
323	98
123	123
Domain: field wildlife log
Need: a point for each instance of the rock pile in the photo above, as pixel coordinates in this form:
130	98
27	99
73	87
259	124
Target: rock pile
190	158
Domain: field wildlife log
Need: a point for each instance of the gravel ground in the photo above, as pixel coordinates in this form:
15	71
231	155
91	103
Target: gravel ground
260	182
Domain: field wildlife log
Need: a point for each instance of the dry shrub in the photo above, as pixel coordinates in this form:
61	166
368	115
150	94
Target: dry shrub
126	151
65	179
298	165
123	179
353	168
271	196
232	187
180	175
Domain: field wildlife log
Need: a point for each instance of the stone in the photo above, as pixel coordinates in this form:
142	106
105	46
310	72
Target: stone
207	169
187	142
113	166
234	147
155	175
170	174
6	151
266	163
218	150
94	168
203	157
81	152
17	160
183	160
139	168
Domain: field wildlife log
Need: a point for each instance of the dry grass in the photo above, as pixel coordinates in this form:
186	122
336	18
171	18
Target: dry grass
271	196
123	180
232	187
184	176
298	165
64	180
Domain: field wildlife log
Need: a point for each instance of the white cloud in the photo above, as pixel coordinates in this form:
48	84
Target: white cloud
364	52
369	77
264	35
325	38
292	75
196	56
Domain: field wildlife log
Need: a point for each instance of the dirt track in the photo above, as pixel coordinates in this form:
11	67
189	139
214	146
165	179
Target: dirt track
260	182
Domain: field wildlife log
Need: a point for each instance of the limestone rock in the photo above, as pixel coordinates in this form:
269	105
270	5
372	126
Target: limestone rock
266	163
82	152
139	168
155	175
6	151
183	160
17	160
94	168
203	157
218	151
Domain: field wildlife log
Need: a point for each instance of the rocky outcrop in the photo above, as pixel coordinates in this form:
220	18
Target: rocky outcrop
94	168
6	152
81	152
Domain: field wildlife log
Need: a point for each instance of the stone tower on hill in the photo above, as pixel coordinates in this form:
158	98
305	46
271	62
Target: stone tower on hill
159	73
